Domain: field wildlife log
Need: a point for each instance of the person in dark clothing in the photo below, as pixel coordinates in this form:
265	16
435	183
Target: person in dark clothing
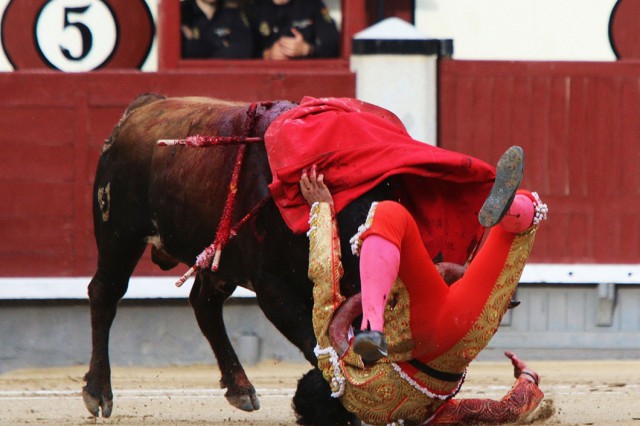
289	29
214	29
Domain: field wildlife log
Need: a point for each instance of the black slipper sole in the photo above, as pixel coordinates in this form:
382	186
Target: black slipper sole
370	346
508	177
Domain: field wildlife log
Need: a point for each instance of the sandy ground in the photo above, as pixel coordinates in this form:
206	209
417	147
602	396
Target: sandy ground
577	393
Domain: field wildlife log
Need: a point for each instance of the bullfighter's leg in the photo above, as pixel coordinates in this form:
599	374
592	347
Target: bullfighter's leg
523	398
117	260
518	224
207	297
377	257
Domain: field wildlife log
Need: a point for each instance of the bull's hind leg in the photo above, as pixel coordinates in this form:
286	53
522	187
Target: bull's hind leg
207	298
116	263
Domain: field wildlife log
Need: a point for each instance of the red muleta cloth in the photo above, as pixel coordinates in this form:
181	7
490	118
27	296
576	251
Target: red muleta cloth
357	145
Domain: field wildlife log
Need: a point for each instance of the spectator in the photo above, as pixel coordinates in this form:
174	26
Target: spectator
214	29
289	29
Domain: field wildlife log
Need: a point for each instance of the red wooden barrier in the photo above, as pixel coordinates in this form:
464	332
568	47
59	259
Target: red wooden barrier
53	126
579	124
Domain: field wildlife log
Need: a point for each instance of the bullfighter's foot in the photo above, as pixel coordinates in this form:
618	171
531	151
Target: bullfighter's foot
94	404
370	345
508	177
525	211
247	402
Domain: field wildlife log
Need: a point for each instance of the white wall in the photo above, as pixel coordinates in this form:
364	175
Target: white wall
4	62
520	29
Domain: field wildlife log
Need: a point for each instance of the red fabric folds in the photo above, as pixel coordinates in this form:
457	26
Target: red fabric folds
357	145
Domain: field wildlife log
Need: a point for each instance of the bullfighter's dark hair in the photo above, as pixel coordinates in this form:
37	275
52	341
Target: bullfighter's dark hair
314	405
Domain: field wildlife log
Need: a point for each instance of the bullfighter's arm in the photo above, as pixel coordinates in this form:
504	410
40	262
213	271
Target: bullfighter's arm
522	399
325	267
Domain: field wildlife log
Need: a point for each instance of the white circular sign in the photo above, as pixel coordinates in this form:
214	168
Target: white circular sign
76	35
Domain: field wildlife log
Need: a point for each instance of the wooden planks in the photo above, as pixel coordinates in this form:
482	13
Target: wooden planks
53	126
579	124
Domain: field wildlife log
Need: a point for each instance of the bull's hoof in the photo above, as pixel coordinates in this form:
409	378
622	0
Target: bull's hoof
95	404
248	402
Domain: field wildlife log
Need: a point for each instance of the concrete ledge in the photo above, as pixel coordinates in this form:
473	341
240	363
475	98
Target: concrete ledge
38	288
553	321
145	332
73	288
580	273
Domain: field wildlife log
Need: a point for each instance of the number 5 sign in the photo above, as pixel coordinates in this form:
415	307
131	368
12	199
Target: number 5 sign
77	35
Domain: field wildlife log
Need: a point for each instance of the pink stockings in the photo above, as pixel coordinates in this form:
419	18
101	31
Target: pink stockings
379	263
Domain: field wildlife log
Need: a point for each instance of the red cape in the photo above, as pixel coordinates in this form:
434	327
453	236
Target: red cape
356	146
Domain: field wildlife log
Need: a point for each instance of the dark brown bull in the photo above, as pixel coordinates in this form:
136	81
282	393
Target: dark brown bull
173	197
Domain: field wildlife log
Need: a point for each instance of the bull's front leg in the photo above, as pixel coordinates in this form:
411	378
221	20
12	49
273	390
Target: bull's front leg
207	297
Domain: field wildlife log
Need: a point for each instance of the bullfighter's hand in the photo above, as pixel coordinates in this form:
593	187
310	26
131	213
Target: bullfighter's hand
520	368
313	187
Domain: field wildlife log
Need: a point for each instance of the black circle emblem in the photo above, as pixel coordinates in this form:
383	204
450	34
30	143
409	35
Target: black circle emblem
624	29
77	35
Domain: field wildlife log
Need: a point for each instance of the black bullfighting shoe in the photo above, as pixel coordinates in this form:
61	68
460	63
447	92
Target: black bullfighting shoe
370	345
508	177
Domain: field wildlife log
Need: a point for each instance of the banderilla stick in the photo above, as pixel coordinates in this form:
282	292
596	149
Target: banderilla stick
206	141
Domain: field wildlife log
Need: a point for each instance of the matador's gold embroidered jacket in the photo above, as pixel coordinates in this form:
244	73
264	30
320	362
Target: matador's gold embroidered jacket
382	393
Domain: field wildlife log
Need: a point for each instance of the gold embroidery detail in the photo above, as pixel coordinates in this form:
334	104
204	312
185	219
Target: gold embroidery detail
325	270
397	329
378	395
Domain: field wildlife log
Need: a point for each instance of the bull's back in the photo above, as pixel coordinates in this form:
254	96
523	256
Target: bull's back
178	193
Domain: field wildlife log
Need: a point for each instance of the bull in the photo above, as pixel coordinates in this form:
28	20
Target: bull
176	199
173	198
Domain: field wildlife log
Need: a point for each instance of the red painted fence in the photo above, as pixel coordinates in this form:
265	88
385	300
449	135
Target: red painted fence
578	122
52	126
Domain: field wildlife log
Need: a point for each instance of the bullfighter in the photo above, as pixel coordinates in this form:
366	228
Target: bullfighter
420	333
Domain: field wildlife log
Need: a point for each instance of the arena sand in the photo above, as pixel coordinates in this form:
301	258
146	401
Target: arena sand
577	393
